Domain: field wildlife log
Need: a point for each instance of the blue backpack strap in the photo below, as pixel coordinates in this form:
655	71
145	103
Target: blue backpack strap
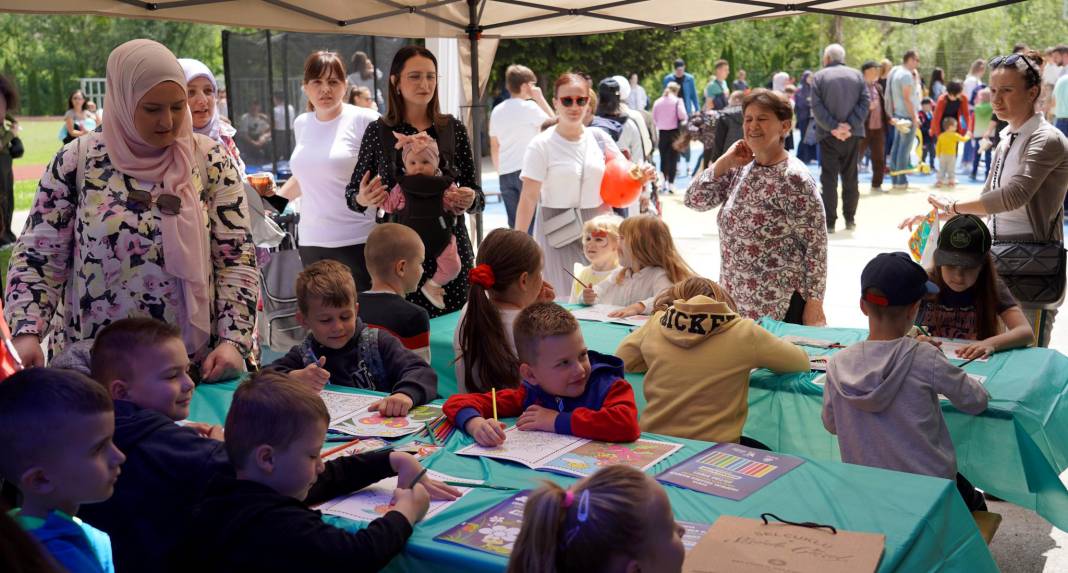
370	357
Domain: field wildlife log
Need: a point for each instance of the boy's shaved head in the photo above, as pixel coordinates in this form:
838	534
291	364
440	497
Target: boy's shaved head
389	243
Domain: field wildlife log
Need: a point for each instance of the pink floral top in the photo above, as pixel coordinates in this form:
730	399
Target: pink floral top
85	259
772	234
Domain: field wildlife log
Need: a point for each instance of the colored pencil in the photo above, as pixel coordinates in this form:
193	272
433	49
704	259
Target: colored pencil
480	485
584	285
493	391
967	362
417	478
336	449
430	434
923	330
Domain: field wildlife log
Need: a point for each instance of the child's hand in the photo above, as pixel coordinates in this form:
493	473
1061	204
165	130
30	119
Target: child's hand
589	296
412	503
629	310
313	375
393	405
924	338
488	433
976	350
548	293
214	432
537	418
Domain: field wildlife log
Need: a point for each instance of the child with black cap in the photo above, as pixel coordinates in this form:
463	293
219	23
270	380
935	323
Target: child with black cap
881	396
972	302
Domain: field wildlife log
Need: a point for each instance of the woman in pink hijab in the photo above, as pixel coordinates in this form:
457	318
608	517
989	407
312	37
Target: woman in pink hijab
153	224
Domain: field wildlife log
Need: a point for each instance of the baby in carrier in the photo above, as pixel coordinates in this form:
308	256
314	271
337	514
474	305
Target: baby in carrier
423	200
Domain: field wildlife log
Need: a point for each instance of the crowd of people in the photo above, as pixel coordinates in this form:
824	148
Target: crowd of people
139	267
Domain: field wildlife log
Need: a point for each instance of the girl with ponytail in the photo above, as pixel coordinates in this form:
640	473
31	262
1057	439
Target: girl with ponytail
507	278
618	519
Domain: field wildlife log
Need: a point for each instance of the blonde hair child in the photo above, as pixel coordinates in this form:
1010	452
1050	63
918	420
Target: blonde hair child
650	263
618	519
600	244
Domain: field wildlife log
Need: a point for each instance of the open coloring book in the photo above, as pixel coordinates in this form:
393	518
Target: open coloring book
375	500
349	415
569	455
599	313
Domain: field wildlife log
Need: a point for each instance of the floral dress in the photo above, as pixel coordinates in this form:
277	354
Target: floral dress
85	260
372	159
772	234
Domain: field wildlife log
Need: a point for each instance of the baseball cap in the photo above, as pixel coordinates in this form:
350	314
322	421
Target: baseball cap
963	242
680	63
901	280
624	86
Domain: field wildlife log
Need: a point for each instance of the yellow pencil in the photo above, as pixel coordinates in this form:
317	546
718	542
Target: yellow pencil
493	392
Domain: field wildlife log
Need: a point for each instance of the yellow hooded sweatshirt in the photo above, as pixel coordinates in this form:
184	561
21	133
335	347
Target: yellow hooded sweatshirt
697	356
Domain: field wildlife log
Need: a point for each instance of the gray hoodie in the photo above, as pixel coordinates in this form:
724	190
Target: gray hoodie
881	399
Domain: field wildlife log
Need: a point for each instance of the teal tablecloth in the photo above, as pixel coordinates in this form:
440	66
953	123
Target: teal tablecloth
1012	450
926	524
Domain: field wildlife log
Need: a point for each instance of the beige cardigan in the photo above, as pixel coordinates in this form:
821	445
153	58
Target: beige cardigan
1039	185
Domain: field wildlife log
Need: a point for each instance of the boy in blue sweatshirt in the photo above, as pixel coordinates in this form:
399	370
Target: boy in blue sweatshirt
56	429
143	366
340	349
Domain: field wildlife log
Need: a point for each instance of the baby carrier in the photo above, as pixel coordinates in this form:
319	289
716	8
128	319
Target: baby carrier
423	209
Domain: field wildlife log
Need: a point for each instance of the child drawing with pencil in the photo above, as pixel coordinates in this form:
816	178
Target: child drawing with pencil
650	263
600	244
972	302
342	350
275	430
566	388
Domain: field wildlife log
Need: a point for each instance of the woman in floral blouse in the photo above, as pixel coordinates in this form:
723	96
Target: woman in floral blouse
413	107
155	225
773	235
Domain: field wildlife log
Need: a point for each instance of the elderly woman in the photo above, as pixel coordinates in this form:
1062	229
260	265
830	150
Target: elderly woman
142	219
773	234
1024	194
413	108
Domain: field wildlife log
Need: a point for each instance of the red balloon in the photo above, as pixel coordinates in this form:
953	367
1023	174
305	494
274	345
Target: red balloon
622	182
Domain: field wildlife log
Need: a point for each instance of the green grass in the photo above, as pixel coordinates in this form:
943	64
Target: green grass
41	139
24	192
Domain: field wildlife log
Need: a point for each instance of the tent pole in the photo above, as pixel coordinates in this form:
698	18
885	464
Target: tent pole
473	33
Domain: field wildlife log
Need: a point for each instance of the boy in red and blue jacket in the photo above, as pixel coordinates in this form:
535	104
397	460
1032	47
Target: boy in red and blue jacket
566	388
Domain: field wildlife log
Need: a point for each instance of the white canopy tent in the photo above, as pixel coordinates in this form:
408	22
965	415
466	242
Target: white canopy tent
471	19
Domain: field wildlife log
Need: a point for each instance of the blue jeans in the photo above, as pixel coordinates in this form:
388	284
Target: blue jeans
1062	124
511	186
900	152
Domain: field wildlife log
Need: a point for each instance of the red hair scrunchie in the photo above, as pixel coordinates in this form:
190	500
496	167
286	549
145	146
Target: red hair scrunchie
482	275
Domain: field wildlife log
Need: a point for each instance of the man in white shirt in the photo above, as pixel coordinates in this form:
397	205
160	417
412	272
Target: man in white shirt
283	129
1051	72
513	123
637	99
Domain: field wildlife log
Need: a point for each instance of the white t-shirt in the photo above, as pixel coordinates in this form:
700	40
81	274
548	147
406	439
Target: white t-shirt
280	116
560	165
514	123
323	161
1050	73
970	83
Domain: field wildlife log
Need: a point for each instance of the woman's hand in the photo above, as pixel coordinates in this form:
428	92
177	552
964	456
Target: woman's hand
738	155
813	313
29	348
463	198
943	204
911	222
648	173
373	192
223	362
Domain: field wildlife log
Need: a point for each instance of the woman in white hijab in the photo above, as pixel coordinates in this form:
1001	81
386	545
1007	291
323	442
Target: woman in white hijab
143	219
202	90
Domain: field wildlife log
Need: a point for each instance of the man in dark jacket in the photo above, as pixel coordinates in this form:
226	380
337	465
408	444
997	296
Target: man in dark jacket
840	107
875	126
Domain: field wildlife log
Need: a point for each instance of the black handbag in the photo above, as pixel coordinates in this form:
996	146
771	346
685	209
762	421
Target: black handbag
1034	271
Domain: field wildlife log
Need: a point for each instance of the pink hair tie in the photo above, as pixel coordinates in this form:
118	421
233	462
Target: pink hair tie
569	498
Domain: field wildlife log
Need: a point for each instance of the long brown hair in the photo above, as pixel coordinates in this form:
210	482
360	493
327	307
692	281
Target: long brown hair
986	297
509	253
691	287
553	539
650	244
323	63
394	99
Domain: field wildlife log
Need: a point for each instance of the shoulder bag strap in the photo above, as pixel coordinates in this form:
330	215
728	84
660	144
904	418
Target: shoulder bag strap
81	154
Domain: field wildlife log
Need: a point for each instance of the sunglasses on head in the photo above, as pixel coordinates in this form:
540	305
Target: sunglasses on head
1010	61
569	101
141	201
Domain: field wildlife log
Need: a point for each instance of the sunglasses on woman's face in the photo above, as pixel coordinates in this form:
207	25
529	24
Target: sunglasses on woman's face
141	201
569	101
